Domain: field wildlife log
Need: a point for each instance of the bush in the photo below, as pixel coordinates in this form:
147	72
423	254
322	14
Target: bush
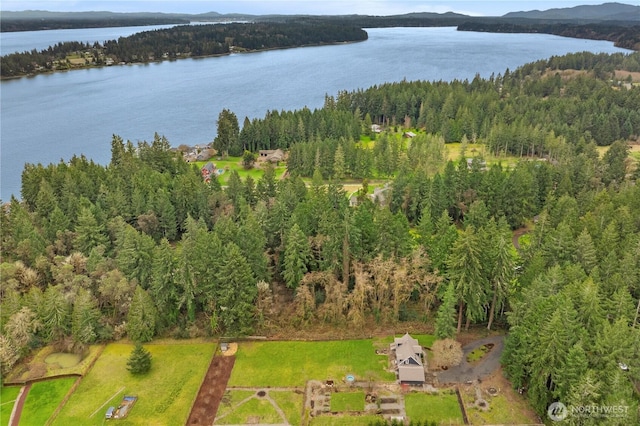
446	353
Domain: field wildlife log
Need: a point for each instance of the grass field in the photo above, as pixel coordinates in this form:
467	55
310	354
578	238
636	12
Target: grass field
165	394
502	410
43	399
235	163
7	398
290	403
345	420
347	401
293	363
442	408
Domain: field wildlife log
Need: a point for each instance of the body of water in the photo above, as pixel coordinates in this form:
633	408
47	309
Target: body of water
20	41
48	118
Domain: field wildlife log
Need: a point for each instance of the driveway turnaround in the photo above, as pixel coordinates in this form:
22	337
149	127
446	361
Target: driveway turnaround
466	372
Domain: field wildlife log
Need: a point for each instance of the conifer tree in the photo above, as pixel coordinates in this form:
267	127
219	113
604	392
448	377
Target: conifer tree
297	254
139	361
236	296
445	326
142	317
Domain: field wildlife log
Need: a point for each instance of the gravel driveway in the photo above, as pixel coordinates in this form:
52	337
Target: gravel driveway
466	372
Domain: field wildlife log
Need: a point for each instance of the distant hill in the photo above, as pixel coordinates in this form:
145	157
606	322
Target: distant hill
602	12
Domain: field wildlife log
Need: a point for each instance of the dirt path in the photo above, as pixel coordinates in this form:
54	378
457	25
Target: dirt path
466	372
211	391
516	236
19	405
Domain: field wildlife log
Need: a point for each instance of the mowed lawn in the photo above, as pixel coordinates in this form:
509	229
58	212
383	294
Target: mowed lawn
7	398
43	399
442	408
165	394
235	163
291	364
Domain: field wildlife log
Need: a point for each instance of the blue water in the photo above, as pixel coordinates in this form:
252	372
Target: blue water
51	117
27	40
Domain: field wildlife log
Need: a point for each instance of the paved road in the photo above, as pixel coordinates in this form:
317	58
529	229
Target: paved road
466	372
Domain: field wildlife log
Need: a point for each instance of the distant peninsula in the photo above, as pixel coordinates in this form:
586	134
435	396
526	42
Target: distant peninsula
184	41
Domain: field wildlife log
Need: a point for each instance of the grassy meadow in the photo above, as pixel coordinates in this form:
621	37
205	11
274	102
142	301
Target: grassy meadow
442	408
347	401
229	164
291	364
165	394
43	399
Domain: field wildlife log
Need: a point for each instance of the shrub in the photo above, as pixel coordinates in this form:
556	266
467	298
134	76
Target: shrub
446	353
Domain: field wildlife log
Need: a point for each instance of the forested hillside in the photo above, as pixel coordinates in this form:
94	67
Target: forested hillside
143	247
178	42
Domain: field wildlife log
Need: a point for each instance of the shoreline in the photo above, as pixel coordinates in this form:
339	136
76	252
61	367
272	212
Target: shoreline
218	55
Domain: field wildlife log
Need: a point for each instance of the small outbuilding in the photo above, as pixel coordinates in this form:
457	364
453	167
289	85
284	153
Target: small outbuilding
109	413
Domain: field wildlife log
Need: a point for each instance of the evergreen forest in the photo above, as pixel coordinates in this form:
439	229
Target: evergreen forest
142	247
183	41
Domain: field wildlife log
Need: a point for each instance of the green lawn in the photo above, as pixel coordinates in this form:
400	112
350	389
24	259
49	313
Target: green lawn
293	363
344	420
7	398
165	394
347	401
235	163
502	409
290	403
240	405
43	399
442	408
231	400
477	354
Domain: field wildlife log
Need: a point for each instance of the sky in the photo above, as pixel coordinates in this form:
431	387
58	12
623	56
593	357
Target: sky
312	7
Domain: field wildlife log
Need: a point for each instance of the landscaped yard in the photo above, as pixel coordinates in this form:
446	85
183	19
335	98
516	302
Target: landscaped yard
165	394
7	398
442	408
43	399
293	363
235	163
242	406
505	408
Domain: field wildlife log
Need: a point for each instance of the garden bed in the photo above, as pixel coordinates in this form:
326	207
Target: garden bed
211	391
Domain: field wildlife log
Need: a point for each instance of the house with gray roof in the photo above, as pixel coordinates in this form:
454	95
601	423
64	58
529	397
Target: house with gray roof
409	358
